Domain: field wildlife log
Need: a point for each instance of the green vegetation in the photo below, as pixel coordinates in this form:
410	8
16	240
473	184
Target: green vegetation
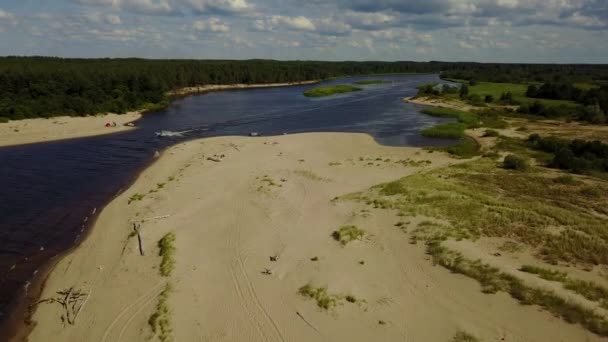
330	90
463	336
493	281
160	320
578	156
478	198
587	289
451	130
166	247
346	234
324	300
490	133
136	197
466	148
513	162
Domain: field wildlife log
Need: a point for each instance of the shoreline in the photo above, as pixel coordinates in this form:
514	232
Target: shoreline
38	130
272	196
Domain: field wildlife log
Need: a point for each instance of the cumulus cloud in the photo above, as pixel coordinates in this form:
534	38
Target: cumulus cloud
299	23
210	25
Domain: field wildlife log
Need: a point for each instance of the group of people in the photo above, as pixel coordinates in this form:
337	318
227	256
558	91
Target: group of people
113	124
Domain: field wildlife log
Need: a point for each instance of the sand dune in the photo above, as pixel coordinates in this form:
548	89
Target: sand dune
272	197
62	127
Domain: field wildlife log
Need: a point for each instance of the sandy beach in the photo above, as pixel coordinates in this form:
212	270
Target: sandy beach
219	87
253	220
62	127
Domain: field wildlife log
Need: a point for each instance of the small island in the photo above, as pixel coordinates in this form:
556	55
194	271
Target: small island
330	90
369	82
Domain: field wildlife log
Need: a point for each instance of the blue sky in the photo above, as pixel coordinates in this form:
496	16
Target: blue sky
555	31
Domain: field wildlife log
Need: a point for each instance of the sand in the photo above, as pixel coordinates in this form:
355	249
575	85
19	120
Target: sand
272	196
220	87
62	127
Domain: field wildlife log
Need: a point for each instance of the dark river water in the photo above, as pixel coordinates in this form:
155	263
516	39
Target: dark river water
50	190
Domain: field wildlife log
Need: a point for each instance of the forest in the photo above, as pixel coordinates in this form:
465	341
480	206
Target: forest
33	87
578	156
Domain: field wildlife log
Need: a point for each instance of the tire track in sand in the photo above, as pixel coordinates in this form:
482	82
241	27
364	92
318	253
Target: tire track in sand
249	299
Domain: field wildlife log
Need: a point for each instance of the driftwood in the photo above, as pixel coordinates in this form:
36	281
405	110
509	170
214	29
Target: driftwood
72	302
214	159
136	227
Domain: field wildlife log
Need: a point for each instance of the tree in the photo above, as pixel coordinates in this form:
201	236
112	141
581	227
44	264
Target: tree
488	99
464	91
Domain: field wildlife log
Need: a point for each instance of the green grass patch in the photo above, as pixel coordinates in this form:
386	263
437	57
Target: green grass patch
330	90
492	280
463	336
324	300
478	198
466	148
590	290
166	247
450	130
136	197
160	320
368	82
513	162
346	234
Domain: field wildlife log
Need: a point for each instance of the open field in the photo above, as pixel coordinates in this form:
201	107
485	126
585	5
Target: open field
265	245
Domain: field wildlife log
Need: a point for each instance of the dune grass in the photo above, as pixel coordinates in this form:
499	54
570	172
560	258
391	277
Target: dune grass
160	320
492	280
466	148
463	336
166	247
324	300
450	130
330	90
136	197
478	198
347	234
590	290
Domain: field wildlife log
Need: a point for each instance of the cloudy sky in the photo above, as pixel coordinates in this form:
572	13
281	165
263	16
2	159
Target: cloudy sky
464	30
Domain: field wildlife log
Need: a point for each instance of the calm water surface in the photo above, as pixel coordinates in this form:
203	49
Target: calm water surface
50	190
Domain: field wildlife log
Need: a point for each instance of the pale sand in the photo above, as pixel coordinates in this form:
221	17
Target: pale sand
63	127
219	87
439	102
227	227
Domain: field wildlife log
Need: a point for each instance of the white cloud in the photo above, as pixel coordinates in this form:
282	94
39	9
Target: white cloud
7	17
465	45
299	23
210	25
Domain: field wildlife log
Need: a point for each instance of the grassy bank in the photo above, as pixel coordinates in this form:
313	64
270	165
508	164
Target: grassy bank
330	90
368	82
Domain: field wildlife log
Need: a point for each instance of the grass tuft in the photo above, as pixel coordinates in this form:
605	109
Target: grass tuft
463	336
320	295
167	252
346	234
330	90
160	320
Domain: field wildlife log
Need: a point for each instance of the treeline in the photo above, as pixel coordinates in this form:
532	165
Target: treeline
578	156
44	87
594	100
524	73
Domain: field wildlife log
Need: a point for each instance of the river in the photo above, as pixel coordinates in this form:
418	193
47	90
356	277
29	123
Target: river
52	191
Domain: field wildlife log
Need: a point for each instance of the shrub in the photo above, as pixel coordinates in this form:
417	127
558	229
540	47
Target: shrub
346	234
512	162
166	251
320	295
490	133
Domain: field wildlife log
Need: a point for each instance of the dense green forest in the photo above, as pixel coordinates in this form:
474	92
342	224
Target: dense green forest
579	156
44	86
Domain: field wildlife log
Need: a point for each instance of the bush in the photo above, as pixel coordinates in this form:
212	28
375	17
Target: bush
490	133
167	251
512	162
347	234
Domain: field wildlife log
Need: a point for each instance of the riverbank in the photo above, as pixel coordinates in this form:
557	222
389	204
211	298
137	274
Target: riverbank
63	127
439	102
253	220
218	87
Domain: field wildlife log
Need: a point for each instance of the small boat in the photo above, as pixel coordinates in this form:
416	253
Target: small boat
168	134
254	134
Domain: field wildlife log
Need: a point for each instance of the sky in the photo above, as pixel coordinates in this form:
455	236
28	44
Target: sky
526	31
